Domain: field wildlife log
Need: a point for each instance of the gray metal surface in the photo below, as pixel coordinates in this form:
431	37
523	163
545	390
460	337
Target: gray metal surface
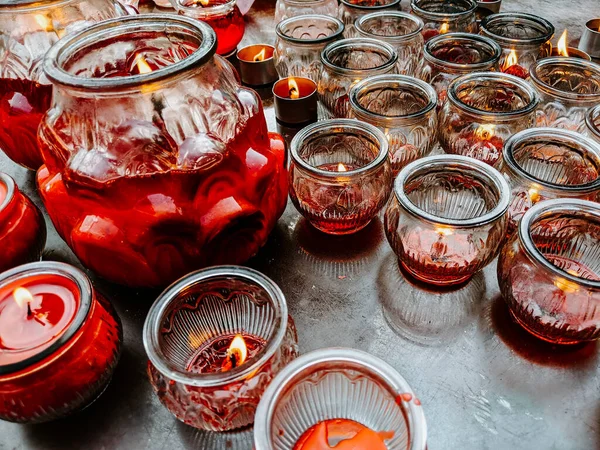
484	383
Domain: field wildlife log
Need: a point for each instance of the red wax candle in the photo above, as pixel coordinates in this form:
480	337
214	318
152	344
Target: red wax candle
342	434
225	352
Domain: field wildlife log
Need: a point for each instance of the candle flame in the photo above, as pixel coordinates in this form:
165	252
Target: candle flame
534	195
22	296
260	56
143	66
444	231
44	22
562	45
485	131
511	60
341	168
444	28
236	354
565	285
204	2
293	88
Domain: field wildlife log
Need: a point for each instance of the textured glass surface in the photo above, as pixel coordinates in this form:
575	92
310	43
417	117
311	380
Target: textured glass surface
351	10
285	9
443	16
592	122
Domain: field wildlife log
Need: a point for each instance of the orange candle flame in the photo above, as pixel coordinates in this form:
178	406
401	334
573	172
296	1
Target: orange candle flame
444	28
22	296
562	45
260	56
236	354
294	90
341	168
204	2
142	65
485	131
44	22
511	60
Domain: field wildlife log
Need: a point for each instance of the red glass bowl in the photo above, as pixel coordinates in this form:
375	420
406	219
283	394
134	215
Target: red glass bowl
74	370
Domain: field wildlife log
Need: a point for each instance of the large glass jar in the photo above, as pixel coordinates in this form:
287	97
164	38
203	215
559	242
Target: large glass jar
156	160
482	111
351	10
568	87
27	30
592	122
285	9
442	16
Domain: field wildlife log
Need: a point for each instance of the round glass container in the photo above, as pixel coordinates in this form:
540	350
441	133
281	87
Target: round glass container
568	87
548	163
345	63
339	383
22	226
340	175
183	337
300	41
443	16
157	160
28	28
451	55
482	111
284	9
549	272
402	31
67	373
447	218
351	10
592	122
404	109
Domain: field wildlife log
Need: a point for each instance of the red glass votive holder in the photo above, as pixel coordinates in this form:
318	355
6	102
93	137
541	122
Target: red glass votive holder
59	342
190	336
447	218
22	226
340	174
549	272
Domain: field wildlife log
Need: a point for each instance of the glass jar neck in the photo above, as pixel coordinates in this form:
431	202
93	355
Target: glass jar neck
545	74
497	26
346	46
199	11
485	46
434	10
285	27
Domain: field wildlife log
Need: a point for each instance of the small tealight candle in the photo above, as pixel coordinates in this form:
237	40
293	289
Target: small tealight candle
257	66
295	100
568	52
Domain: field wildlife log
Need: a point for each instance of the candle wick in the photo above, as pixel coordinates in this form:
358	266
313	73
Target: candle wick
233	359
29	312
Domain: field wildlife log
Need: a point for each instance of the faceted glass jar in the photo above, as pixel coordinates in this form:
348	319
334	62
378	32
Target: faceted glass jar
22	226
548	163
451	55
351	10
447	218
592	122
404	109
28	28
345	63
482	111
442	16
549	272
157	160
300	41
402	31
568	87
284	9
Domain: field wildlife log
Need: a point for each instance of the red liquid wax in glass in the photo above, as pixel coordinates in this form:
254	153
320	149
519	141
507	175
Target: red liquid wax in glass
517	71
228	27
212	356
342	434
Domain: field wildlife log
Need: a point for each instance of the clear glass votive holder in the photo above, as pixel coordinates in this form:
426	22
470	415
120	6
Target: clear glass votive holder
549	271
482	110
568	87
548	163
351	10
340	175
187	330
592	123
404	109
284	9
339	383
300	41
345	63
402	31
442	16
447	218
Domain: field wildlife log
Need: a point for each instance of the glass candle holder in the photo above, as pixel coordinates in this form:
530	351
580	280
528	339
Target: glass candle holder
345	63
60	342
351	10
447	218
404	109
524	39
189	336
300	41
339	392
340	175
22	226
482	110
451	55
441	16
29	29
592	123
157	161
549	272
568	87
548	163
402	31
284	9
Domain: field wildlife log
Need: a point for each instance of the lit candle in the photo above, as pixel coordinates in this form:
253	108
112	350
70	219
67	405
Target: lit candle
295	100
511	66
563	50
224	353
257	65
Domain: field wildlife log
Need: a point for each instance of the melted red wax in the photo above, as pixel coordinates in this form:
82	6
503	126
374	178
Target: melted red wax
342	434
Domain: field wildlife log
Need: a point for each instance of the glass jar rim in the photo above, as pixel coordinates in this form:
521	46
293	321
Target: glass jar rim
362	42
205	11
379	368
509	16
11	190
444	16
153	323
495	178
104	30
467	68
9	6
399	81
331	124
564	62
332	37
523	136
304	3
360	22
370	8
548	208
84	286
516	82
590	120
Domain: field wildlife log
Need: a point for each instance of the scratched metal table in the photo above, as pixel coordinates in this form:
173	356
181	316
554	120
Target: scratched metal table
484	383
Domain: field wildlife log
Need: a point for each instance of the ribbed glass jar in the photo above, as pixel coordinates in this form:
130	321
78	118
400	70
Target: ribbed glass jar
345	63
404	109
592	122
402	31
351	10
482	111
441	16
284	9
